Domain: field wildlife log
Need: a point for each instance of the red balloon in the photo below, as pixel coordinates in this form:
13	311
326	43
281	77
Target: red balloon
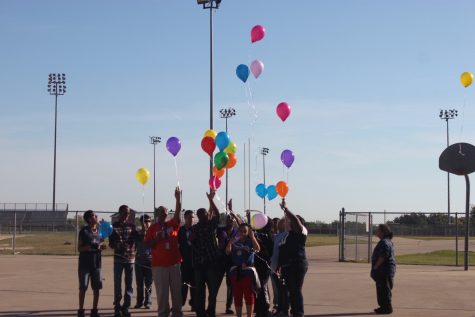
283	110
257	33
208	145
214	182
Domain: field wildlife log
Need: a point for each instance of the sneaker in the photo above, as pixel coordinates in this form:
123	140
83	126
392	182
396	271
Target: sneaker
81	313
95	313
117	313
138	305
229	311
146	306
383	311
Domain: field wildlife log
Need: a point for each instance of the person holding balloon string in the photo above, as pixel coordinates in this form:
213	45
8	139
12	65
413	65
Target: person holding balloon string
90	246
293	264
143	266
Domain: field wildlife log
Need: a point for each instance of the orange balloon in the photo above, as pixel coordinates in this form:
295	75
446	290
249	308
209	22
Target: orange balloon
282	189
218	173
232	160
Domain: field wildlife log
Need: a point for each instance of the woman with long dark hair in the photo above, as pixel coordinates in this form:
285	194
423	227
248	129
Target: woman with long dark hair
383	269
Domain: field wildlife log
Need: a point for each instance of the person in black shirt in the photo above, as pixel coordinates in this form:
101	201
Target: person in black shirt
90	248
186	267
206	255
293	260
383	269
262	264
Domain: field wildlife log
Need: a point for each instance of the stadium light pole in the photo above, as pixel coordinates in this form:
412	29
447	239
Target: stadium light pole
226	114
264	152
210	4
448	115
154	140
56	87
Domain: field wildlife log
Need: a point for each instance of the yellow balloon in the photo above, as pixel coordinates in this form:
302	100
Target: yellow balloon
210	133
466	79
231	148
142	175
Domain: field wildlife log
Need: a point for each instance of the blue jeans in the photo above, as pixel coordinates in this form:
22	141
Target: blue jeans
143	277
128	269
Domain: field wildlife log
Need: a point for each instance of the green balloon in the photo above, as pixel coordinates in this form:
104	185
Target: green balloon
221	159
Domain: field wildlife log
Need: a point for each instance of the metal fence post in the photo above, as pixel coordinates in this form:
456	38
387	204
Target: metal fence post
370	236
14	233
343	234
76	235
456	240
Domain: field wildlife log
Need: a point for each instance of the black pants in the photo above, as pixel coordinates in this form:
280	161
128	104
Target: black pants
206	276
384	285
188	278
294	275
283	297
224	273
263	298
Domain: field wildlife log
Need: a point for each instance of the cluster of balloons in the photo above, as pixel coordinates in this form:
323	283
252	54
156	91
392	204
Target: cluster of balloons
224	159
466	79
257	67
281	189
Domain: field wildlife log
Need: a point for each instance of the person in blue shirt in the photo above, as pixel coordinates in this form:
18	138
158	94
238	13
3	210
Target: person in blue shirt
383	269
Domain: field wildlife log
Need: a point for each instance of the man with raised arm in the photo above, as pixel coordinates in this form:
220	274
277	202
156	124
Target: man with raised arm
162	237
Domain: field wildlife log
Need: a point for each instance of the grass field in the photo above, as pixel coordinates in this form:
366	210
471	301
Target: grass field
443	257
62	243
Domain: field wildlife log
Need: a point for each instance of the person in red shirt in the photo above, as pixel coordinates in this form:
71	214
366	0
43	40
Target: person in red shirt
162	237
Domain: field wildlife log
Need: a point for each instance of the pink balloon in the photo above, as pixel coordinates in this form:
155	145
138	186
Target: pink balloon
257	33
283	110
257	67
214	182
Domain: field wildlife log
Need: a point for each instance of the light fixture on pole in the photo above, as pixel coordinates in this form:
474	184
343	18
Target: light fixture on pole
210	4
226	114
448	115
56	87
154	140
264	152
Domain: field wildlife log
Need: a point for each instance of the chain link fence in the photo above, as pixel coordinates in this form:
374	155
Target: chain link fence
414	233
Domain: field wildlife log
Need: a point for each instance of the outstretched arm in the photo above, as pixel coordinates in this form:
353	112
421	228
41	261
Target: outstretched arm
231	212
177	215
255	244
213	210
297	226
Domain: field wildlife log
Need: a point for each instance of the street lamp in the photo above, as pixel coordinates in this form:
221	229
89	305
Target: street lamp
264	152
447	115
226	114
154	140
56	87
210	4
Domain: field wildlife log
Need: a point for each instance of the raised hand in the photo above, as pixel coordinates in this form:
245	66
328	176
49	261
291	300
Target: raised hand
230	205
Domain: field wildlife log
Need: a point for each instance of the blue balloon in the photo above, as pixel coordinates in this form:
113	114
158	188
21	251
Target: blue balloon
222	140
261	190
105	230
242	71
271	192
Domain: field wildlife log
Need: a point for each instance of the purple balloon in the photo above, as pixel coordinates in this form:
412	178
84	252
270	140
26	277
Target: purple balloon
173	145
287	157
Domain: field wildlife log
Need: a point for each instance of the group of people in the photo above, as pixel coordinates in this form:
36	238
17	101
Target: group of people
195	258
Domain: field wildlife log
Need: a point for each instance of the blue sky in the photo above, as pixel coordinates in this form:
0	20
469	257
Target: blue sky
365	80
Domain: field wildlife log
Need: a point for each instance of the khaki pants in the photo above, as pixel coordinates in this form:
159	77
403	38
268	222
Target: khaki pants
168	279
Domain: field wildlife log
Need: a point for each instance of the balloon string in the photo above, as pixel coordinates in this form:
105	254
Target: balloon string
463	114
176	171
143	200
221	201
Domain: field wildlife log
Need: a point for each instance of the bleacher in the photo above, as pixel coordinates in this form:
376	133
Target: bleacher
33	215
